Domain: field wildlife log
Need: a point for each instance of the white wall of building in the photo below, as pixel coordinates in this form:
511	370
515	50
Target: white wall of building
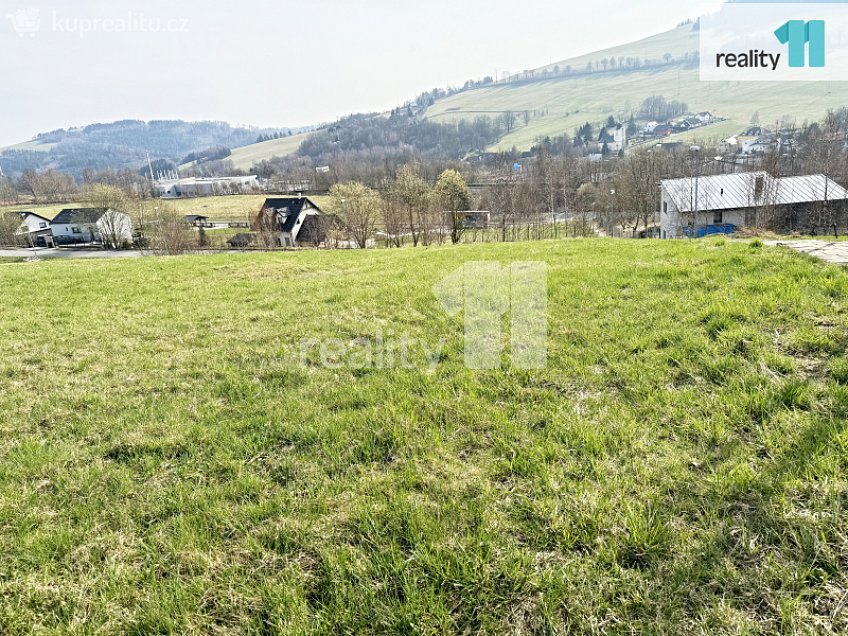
33	223
111	223
672	222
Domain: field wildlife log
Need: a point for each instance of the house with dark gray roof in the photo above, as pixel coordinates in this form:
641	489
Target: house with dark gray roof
92	226
722	203
290	221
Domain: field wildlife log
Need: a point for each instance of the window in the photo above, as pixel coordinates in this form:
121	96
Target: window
665	207
42	225
718	218
76	230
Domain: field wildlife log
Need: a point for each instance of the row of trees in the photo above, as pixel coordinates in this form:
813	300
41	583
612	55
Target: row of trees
408	199
556	196
552	197
52	186
408	211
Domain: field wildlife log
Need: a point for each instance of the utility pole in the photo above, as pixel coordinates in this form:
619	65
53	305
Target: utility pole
697	170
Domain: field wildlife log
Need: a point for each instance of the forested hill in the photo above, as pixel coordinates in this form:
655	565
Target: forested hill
124	144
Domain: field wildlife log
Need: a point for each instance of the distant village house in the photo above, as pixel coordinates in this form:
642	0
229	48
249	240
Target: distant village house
290	221
101	226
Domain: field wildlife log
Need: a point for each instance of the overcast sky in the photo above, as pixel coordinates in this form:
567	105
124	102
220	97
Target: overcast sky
282	62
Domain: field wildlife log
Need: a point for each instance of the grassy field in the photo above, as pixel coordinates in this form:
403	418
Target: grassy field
568	103
167	465
35	146
246	157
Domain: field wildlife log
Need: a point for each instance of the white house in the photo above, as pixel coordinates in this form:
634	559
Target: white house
729	146
615	139
760	145
102	226
34	228
721	203
704	117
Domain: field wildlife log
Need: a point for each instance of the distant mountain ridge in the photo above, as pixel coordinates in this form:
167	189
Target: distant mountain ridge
550	101
125	144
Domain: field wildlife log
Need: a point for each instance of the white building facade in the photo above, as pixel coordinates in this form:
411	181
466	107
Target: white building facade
106	227
698	206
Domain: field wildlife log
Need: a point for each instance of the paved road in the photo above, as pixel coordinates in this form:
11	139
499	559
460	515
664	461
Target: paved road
52	253
830	251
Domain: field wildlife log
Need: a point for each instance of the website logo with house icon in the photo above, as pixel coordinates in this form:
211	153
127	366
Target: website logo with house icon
25	22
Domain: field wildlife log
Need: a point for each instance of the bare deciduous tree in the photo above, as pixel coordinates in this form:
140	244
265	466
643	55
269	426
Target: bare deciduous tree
10	223
115	225
168	233
358	208
408	198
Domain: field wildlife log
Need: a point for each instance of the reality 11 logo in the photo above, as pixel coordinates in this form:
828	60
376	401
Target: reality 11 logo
798	34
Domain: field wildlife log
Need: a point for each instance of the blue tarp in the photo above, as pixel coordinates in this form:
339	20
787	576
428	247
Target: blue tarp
706	230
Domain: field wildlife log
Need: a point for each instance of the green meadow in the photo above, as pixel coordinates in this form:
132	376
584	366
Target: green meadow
171	463
559	105
245	157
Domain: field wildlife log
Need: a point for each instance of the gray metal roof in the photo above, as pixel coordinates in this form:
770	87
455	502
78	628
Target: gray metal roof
735	191
814	187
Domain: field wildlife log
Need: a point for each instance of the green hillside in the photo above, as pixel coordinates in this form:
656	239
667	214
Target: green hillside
563	103
245	157
34	146
173	464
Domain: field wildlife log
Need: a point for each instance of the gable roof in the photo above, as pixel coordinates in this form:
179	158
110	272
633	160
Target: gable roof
80	215
25	213
736	191
194	217
291	207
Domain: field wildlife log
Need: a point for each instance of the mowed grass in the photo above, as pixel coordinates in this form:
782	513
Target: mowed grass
561	105
168	466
